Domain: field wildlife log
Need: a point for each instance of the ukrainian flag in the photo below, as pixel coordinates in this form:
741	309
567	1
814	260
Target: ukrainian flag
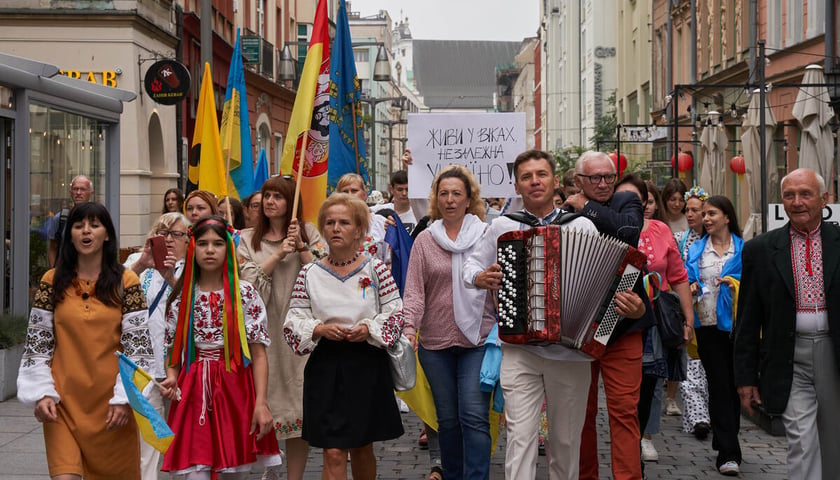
235	133
152	427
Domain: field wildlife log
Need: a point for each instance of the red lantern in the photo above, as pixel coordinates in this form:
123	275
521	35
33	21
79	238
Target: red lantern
737	165
684	162
621	165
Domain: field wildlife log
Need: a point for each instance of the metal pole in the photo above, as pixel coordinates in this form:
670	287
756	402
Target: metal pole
373	144
762	101
675	171
390	149
206	27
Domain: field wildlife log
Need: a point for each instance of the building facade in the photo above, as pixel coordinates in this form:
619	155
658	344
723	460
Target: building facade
578	69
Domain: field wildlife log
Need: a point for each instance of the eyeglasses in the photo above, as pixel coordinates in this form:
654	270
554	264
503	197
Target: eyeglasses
172	233
609	178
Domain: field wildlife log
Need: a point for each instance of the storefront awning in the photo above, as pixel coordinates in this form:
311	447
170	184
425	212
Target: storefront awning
18	72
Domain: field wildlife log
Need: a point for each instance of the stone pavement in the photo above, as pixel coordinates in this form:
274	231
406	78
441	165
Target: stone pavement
681	456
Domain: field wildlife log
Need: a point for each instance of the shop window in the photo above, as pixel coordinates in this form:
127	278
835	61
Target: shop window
62	146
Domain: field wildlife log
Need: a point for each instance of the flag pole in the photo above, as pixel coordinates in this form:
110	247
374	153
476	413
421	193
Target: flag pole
150	377
356	139
299	174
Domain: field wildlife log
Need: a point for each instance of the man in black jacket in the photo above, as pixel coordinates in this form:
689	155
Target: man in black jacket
620	215
787	334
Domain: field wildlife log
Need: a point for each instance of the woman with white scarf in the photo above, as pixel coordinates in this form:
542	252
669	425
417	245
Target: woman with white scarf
446	318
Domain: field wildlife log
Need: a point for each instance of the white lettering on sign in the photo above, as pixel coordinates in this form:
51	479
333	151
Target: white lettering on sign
776	216
485	143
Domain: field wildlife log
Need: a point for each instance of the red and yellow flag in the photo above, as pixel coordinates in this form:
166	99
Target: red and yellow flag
311	121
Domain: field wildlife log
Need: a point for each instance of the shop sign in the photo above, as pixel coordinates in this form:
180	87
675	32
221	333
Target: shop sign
105	77
250	48
167	82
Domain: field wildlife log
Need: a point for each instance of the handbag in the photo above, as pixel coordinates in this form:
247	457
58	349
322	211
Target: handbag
400	356
403	364
667	311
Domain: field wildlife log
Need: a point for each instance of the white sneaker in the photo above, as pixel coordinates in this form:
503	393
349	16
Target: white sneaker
730	469
671	408
271	473
649	453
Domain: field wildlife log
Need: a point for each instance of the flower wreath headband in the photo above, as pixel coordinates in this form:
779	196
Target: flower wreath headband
233	322
696	191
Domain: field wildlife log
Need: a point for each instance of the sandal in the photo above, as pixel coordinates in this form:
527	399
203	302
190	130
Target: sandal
436	474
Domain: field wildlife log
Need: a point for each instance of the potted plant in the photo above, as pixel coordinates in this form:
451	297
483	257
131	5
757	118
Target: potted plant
12	336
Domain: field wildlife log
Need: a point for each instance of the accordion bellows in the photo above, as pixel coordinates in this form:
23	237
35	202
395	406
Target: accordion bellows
559	286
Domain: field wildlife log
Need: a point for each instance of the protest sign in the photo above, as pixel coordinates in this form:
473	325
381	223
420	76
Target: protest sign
485	143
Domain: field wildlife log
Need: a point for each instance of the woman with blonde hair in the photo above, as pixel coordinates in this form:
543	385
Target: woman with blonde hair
271	255
373	243
157	286
345	311
449	319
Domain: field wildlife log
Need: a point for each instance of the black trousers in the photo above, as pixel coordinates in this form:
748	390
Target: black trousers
715	350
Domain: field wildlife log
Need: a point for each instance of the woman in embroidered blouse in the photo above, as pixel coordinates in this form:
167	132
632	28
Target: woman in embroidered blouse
346	310
217	337
271	255
157	285
85	309
714	270
448	317
658	245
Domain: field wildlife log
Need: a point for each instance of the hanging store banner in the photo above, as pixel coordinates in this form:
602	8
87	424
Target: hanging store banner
167	82
485	143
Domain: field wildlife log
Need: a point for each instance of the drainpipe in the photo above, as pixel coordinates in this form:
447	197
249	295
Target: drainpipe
669	83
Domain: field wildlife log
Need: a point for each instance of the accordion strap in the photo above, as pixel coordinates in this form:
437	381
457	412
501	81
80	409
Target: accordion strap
528	219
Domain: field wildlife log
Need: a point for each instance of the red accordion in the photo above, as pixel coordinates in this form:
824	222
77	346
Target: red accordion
559	286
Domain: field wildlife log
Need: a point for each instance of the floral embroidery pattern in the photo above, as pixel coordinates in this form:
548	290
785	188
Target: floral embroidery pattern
133	299
318	250
287	428
293	339
364	283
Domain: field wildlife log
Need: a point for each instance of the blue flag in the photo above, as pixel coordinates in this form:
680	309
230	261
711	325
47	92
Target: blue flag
347	145
401	242
235	131
261	175
152	427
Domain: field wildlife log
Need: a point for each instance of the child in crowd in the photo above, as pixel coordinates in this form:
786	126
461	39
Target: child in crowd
216	334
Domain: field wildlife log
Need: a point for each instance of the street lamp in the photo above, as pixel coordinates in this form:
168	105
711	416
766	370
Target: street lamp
373	103
390	124
287	65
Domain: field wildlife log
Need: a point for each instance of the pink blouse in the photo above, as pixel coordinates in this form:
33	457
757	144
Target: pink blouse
658	244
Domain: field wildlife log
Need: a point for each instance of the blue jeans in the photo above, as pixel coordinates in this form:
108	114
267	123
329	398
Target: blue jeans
462	410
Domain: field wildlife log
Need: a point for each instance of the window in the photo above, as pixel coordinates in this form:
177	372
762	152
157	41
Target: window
62	146
361	55
816	19
793	23
774	23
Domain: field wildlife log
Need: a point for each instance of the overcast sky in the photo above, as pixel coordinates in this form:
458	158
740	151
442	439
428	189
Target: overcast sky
510	20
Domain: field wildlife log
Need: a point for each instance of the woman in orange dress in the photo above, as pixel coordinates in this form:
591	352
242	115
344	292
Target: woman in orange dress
85	309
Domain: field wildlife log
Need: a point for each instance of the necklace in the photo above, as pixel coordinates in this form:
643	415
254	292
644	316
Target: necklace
342	263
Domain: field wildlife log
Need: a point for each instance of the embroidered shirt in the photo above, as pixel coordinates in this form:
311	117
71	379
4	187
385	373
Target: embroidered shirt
806	257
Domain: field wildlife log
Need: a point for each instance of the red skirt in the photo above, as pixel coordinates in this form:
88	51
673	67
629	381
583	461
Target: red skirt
212	420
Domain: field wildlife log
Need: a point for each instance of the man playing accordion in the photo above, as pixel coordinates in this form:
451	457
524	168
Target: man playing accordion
530	373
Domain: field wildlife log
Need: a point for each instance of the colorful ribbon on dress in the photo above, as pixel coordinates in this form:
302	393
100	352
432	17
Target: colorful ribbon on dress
233	321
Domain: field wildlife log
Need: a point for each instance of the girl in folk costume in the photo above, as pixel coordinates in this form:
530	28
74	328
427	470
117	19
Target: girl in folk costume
216	334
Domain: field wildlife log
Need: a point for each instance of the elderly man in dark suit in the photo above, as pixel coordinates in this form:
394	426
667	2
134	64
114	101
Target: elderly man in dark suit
787	335
620	215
